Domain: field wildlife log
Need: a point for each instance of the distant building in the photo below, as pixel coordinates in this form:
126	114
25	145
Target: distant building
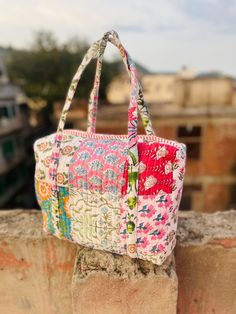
158	88
207	89
118	89
199	110
19	127
210	136
12	152
77	114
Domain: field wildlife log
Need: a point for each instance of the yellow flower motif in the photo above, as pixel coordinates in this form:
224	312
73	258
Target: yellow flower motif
47	161
60	178
43	190
45	220
66	150
132	248
66	206
43	146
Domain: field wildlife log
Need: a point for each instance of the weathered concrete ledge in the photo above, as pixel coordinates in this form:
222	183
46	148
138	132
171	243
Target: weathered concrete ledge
118	284
198	228
89	261
35	269
41	274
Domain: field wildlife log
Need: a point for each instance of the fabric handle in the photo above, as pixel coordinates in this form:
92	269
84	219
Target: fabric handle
96	50
94	95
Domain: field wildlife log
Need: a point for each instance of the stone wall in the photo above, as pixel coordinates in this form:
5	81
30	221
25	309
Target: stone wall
43	275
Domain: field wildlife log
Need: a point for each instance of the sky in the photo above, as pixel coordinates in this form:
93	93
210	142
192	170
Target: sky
162	35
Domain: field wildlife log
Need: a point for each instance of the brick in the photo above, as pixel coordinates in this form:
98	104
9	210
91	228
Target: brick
216	197
219	142
206	263
35	269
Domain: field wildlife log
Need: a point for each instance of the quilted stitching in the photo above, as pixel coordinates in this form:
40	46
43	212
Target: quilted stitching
95	216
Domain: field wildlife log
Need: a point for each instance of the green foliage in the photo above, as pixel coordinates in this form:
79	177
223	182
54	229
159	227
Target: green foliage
46	68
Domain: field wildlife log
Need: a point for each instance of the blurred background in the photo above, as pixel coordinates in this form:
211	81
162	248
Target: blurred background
185	55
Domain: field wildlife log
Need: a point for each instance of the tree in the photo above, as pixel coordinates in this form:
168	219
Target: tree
46	68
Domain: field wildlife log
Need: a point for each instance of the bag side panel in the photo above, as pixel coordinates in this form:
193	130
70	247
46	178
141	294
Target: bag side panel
161	172
43	151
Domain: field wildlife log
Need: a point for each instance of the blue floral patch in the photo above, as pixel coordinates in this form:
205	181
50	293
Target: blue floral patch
107	141
112	188
111	159
89	144
96	180
114	147
99	151
81	171
96	165
84	155
83	184
104	209
125	151
110	174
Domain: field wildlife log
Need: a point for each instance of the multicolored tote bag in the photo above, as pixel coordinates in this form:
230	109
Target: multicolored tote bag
118	193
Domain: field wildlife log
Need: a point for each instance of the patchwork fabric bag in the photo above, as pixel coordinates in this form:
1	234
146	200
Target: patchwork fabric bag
118	193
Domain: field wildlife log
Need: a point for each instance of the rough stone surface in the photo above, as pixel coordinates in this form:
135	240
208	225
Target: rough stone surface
19	222
36	275
40	274
197	228
118	284
206	263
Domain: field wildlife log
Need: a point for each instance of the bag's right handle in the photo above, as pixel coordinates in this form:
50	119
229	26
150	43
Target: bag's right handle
93	100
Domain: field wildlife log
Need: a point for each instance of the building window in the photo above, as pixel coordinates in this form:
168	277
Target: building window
13	111
2	185
4	113
8	149
191	136
8	111
232	200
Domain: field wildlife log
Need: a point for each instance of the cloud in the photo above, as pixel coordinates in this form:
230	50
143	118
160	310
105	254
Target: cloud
160	34
213	14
